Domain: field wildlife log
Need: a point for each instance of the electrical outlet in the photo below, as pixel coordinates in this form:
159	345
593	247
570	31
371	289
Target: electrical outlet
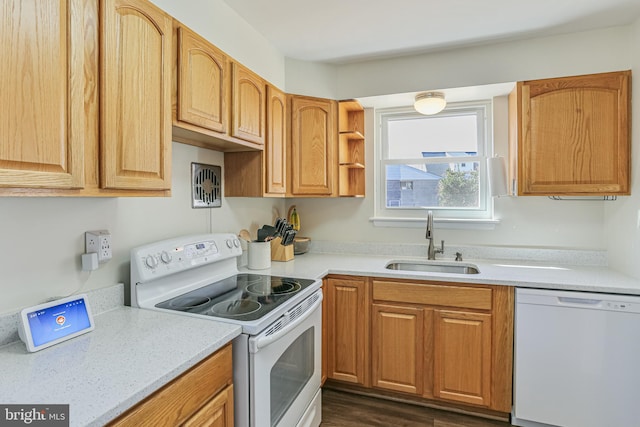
99	242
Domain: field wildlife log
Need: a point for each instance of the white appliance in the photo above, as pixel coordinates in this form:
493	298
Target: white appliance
277	358
576	359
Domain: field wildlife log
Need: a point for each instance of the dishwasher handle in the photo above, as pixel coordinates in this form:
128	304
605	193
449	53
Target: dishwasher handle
581	302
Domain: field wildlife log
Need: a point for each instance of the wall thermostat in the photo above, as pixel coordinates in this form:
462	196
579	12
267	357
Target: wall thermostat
53	322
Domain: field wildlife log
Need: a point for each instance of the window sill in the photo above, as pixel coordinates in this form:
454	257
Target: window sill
450	223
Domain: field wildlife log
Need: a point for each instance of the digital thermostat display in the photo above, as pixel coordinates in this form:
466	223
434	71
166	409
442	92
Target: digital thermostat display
48	324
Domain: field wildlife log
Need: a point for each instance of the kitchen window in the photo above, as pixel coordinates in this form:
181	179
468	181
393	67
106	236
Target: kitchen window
435	163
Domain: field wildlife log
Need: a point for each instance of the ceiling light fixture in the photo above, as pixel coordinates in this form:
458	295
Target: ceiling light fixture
430	103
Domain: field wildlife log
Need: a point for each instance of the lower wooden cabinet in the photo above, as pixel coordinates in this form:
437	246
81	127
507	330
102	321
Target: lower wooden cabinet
218	412
348	329
203	396
462	359
397	348
431	340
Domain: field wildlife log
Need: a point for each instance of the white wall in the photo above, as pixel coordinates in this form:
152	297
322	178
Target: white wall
571	54
41	239
622	224
307	78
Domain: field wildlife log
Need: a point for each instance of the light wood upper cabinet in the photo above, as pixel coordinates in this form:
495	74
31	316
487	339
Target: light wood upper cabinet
571	135
348	308
262	173
248	105
204	101
42	90
203	83
299	153
462	359
276	145
136	41
313	145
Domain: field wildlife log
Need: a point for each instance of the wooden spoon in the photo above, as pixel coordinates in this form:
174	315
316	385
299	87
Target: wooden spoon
244	235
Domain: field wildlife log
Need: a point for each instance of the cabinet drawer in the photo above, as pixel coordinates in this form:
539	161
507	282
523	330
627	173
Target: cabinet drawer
178	400
432	294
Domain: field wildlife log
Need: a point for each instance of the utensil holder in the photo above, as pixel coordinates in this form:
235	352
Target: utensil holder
259	255
279	252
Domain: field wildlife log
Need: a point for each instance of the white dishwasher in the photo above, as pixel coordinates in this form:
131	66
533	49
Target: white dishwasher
577	359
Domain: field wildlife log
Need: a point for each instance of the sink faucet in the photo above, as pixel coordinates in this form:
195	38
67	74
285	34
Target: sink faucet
432	251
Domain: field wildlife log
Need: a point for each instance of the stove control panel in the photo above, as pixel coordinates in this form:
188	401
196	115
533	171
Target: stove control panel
167	257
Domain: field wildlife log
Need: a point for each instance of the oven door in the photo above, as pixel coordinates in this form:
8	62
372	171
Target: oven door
285	362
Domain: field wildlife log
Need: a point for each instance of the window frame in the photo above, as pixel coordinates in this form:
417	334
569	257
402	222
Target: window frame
396	216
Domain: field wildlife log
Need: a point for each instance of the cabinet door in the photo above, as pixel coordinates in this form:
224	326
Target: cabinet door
42	92
574	135
135	95
248	100
218	412
203	81
462	357
397	345
276	144
313	140
348	330
202	388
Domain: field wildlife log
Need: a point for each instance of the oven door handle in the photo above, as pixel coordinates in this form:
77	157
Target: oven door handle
264	340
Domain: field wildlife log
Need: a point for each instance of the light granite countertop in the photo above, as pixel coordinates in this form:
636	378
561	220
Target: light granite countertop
511	272
130	354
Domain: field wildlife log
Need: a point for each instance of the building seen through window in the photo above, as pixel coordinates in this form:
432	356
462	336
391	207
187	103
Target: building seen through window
434	162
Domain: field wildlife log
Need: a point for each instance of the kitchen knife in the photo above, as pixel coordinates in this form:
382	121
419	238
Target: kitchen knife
279	225
288	237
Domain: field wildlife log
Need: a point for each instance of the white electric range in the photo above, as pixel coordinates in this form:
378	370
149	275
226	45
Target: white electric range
277	358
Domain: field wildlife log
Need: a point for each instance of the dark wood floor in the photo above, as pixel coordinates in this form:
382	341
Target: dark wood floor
341	409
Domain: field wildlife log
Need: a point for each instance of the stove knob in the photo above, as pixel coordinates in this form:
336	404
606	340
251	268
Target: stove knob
151	261
236	243
165	257
229	243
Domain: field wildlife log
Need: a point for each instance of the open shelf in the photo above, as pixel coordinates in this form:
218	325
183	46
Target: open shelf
351	155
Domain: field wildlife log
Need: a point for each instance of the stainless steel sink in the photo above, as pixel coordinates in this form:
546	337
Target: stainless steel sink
433	267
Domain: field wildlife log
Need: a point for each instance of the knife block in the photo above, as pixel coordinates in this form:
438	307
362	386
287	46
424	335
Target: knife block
279	252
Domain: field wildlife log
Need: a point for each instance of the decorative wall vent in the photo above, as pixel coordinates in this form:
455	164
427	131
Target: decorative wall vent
206	186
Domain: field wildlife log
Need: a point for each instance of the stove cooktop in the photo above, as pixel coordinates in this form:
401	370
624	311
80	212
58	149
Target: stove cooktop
251	297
